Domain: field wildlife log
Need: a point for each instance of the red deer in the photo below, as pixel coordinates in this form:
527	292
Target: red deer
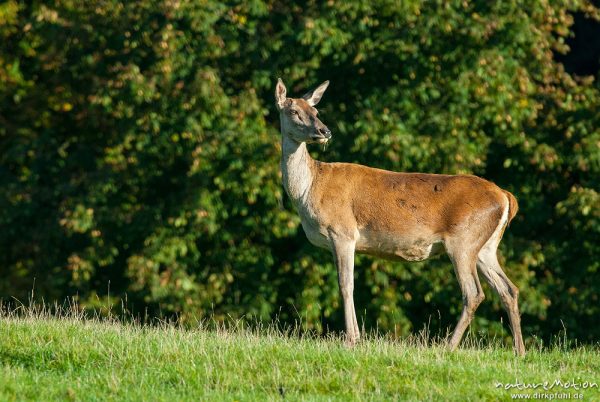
349	208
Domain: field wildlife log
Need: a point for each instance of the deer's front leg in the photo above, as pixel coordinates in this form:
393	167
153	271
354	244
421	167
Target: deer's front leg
343	253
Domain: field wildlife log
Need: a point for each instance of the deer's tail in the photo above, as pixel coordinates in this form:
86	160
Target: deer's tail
513	205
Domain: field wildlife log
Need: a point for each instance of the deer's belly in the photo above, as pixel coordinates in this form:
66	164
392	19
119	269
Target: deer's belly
390	247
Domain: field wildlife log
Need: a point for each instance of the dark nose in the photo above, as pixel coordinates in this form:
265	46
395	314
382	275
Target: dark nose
326	132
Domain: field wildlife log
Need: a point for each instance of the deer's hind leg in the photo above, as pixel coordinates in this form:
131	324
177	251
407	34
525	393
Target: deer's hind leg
466	273
487	262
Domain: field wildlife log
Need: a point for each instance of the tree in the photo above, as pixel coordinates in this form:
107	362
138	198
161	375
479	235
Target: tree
139	147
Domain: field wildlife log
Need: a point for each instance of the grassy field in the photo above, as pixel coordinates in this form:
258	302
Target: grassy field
44	357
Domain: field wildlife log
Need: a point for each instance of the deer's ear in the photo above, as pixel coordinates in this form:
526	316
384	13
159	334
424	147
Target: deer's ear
314	96
280	94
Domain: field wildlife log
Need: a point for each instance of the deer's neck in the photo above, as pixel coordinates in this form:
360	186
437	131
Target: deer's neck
297	168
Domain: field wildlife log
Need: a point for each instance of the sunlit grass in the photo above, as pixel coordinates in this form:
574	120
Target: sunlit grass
63	355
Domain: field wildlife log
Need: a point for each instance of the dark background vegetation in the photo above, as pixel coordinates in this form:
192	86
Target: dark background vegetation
139	152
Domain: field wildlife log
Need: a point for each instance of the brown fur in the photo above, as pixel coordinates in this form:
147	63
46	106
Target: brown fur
411	208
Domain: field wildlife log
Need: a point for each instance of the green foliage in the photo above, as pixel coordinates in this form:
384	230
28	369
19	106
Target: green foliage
139	152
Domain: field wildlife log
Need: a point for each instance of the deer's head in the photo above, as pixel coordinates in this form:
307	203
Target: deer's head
299	120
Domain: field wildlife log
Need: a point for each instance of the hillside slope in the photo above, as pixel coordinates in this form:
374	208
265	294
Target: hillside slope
45	358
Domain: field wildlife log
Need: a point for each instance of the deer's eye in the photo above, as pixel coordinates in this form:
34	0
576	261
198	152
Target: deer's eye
294	112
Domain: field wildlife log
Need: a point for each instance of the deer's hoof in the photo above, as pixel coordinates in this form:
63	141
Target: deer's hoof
350	342
451	346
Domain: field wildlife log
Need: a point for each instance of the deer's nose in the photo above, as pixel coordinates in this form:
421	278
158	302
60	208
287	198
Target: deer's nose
326	132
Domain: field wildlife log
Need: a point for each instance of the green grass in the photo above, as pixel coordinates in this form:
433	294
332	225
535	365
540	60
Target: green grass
46	357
